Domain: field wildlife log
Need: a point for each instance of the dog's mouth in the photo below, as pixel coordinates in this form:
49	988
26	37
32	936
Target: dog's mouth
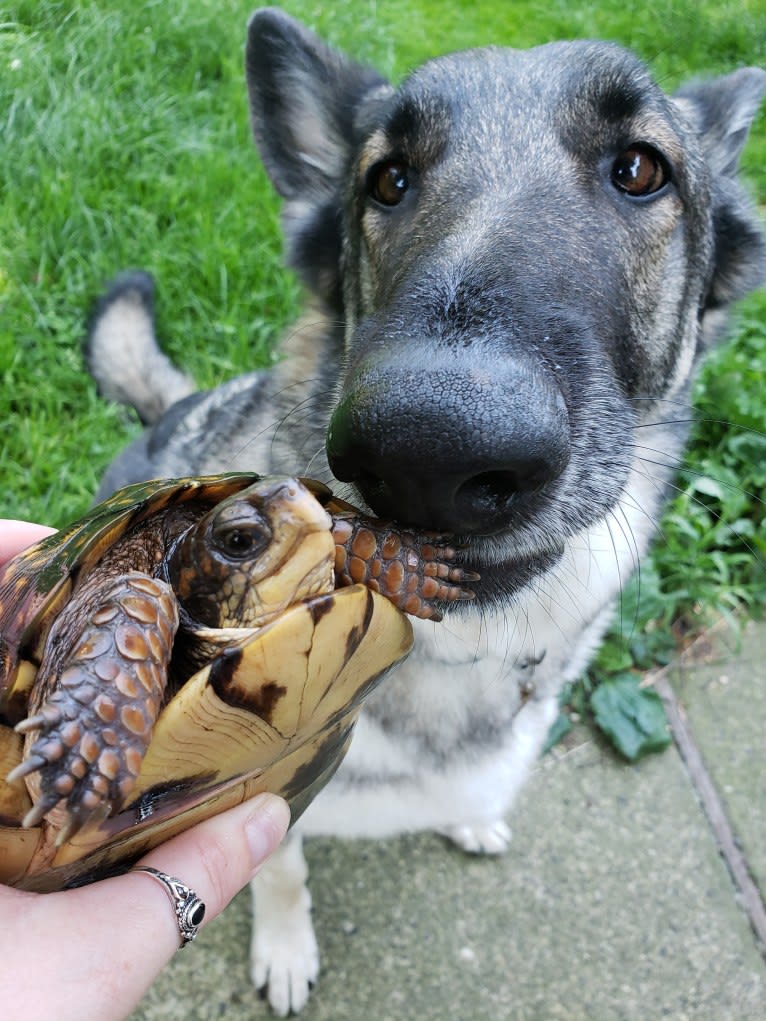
505	562
506	557
502	577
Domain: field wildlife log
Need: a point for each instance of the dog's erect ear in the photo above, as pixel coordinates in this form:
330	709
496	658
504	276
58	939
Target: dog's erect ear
304	97
722	110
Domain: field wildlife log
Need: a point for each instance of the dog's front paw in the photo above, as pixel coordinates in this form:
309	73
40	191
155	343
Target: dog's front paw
493	838
284	962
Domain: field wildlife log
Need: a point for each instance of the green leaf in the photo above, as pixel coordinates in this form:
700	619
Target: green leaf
561	726
614	655
709	487
632	717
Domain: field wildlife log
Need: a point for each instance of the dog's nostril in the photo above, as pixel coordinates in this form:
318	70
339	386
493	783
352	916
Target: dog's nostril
490	491
499	487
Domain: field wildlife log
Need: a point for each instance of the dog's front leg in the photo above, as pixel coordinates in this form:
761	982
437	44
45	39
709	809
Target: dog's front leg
530	730
284	957
493	838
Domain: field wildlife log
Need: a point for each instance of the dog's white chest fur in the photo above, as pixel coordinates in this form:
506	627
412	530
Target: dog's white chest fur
449	738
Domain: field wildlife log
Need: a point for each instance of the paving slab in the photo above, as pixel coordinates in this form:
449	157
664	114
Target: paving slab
723	693
612	905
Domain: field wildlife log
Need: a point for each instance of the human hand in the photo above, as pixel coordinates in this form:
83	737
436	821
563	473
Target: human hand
90	954
17	535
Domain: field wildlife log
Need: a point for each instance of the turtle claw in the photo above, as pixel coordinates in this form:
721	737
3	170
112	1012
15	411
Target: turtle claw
416	572
95	725
37	813
67	830
80	773
77	820
49	716
456	574
29	765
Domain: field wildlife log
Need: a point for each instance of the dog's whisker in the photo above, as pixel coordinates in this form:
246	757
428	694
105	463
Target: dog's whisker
268	428
667	421
687	469
629	535
654	520
741	538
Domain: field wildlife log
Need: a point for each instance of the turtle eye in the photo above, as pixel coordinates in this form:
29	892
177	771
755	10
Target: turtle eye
640	170
388	182
242	541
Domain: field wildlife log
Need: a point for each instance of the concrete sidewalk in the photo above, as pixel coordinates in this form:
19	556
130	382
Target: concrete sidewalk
613	904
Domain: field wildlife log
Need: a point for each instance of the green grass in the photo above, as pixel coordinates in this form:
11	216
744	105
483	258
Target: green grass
125	142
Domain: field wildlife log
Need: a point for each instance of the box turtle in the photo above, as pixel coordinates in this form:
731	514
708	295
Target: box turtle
185	645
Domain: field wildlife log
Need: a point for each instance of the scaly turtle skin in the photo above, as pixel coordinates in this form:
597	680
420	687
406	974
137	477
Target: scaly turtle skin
184	646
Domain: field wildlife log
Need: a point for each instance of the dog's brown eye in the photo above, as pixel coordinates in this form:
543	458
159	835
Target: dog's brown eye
387	182
639	170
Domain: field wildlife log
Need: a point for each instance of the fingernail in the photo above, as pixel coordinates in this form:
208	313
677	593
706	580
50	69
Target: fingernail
266	826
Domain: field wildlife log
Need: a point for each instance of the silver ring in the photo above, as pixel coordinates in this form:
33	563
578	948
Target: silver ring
189	908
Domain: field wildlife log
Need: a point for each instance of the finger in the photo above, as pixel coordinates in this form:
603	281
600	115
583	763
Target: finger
17	535
218	857
131	927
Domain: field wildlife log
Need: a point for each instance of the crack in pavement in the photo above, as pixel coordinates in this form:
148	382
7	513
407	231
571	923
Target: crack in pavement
749	895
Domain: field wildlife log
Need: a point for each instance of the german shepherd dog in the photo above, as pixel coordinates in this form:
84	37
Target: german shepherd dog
517	259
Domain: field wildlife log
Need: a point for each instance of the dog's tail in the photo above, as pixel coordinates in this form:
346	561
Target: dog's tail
122	352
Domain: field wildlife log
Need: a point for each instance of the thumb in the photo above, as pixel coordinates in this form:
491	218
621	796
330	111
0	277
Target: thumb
215	859
17	535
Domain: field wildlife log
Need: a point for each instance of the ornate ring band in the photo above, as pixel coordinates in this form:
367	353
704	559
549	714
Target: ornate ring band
188	907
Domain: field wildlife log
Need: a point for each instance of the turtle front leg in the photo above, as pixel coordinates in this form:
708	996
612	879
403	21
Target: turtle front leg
415	572
94	719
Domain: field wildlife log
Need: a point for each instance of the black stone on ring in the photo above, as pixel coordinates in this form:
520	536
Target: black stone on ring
189	909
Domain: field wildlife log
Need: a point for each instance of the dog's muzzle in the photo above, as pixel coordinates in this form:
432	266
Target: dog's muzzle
461	449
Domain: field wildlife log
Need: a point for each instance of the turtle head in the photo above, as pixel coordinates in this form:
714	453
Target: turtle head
253	555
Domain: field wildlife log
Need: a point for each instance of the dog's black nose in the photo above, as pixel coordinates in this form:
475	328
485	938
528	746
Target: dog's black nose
450	451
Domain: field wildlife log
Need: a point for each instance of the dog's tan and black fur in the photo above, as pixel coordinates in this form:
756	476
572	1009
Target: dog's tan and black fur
516	260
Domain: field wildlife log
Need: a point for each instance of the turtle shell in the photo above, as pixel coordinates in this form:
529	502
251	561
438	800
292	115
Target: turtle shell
38	582
272	711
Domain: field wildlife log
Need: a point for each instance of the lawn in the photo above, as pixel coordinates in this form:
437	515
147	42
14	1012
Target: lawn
125	142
